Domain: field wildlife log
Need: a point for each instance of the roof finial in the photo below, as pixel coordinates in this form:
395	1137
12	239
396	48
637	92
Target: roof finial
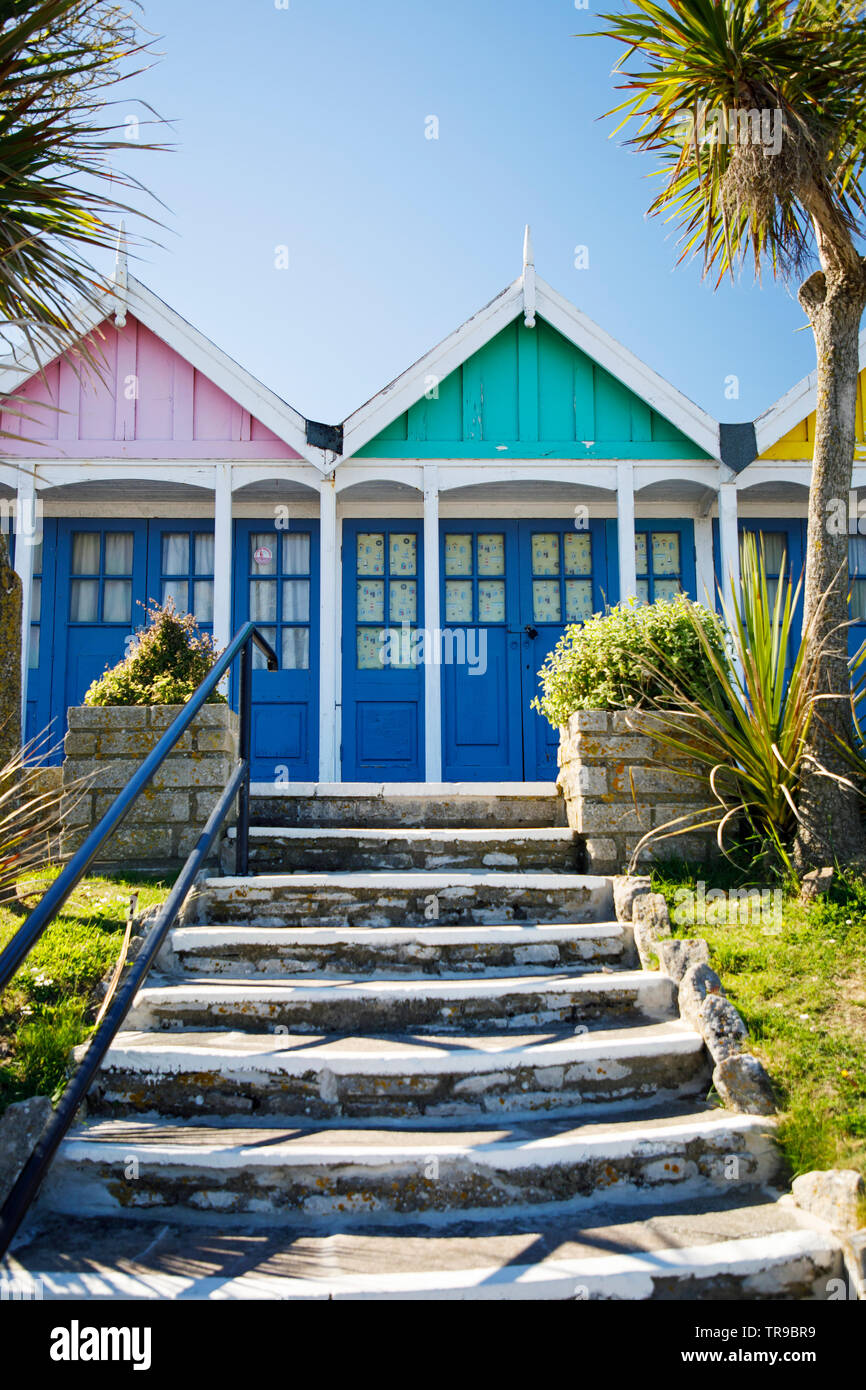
528	279
120	277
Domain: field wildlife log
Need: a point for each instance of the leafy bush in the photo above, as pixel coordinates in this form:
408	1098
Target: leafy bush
166	662
630	656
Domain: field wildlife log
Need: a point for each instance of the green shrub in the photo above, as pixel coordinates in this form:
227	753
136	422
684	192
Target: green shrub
611	661
166	662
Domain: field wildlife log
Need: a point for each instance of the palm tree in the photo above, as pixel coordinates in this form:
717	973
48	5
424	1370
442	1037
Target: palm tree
756	112
60	194
60	197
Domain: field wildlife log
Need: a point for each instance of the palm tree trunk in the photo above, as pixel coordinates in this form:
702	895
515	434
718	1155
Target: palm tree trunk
831	828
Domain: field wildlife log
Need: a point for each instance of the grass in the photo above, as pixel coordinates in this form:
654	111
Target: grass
799	982
50	1005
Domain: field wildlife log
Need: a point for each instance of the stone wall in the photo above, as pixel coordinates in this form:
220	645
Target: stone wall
619	782
106	745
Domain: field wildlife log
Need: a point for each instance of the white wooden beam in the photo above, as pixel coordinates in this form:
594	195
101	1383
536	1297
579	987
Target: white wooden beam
26	537
705	574
121	277
625	530
329	632
729	541
529	294
222	583
432	668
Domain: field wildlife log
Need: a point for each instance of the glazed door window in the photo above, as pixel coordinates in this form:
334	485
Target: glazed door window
187	573
100	587
561	576
658	565
279	595
386	599
475	578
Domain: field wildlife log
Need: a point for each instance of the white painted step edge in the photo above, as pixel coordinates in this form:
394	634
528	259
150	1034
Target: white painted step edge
164	1052
205	990
439	834
504	1155
428	879
474	934
394	791
631	1277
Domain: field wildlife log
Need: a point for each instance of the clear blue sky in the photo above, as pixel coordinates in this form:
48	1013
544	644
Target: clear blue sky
305	127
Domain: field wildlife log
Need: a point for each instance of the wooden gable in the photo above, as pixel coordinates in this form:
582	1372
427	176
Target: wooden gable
528	393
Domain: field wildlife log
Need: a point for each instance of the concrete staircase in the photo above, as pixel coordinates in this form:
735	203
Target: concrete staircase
412	1056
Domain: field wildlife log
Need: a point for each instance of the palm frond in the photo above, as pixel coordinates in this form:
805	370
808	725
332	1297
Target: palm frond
61	188
695	69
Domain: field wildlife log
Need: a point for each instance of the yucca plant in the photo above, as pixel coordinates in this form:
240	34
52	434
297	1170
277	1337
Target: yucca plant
30	815
755	111
748	736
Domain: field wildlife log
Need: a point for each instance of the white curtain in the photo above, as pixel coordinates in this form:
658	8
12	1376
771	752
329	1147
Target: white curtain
296	554
175	553
296	600
204	552
118	552
84	601
296	648
117	601
203	600
85	552
263	601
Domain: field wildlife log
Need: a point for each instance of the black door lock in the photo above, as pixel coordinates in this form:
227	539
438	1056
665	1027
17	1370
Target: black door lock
531	632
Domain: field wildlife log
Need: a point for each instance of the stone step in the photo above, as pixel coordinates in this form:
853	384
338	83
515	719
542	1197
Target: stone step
350	849
239	1073
353	1004
253	951
313	1173
744	1248
405	804
400	899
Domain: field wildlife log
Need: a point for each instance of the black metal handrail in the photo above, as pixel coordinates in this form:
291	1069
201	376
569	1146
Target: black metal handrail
28	1183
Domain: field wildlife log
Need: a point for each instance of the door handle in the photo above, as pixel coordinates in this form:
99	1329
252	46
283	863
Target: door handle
531	632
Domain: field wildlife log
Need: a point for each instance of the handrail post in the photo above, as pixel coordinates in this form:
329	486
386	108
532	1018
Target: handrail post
242	849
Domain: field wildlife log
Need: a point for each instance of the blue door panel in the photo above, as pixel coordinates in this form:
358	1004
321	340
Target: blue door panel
543	585
383	686
285	714
482	699
387	735
490	731
84	647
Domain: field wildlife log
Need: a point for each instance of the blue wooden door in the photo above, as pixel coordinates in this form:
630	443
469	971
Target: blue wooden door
482	695
99	598
277	587
508	591
383	671
563	575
